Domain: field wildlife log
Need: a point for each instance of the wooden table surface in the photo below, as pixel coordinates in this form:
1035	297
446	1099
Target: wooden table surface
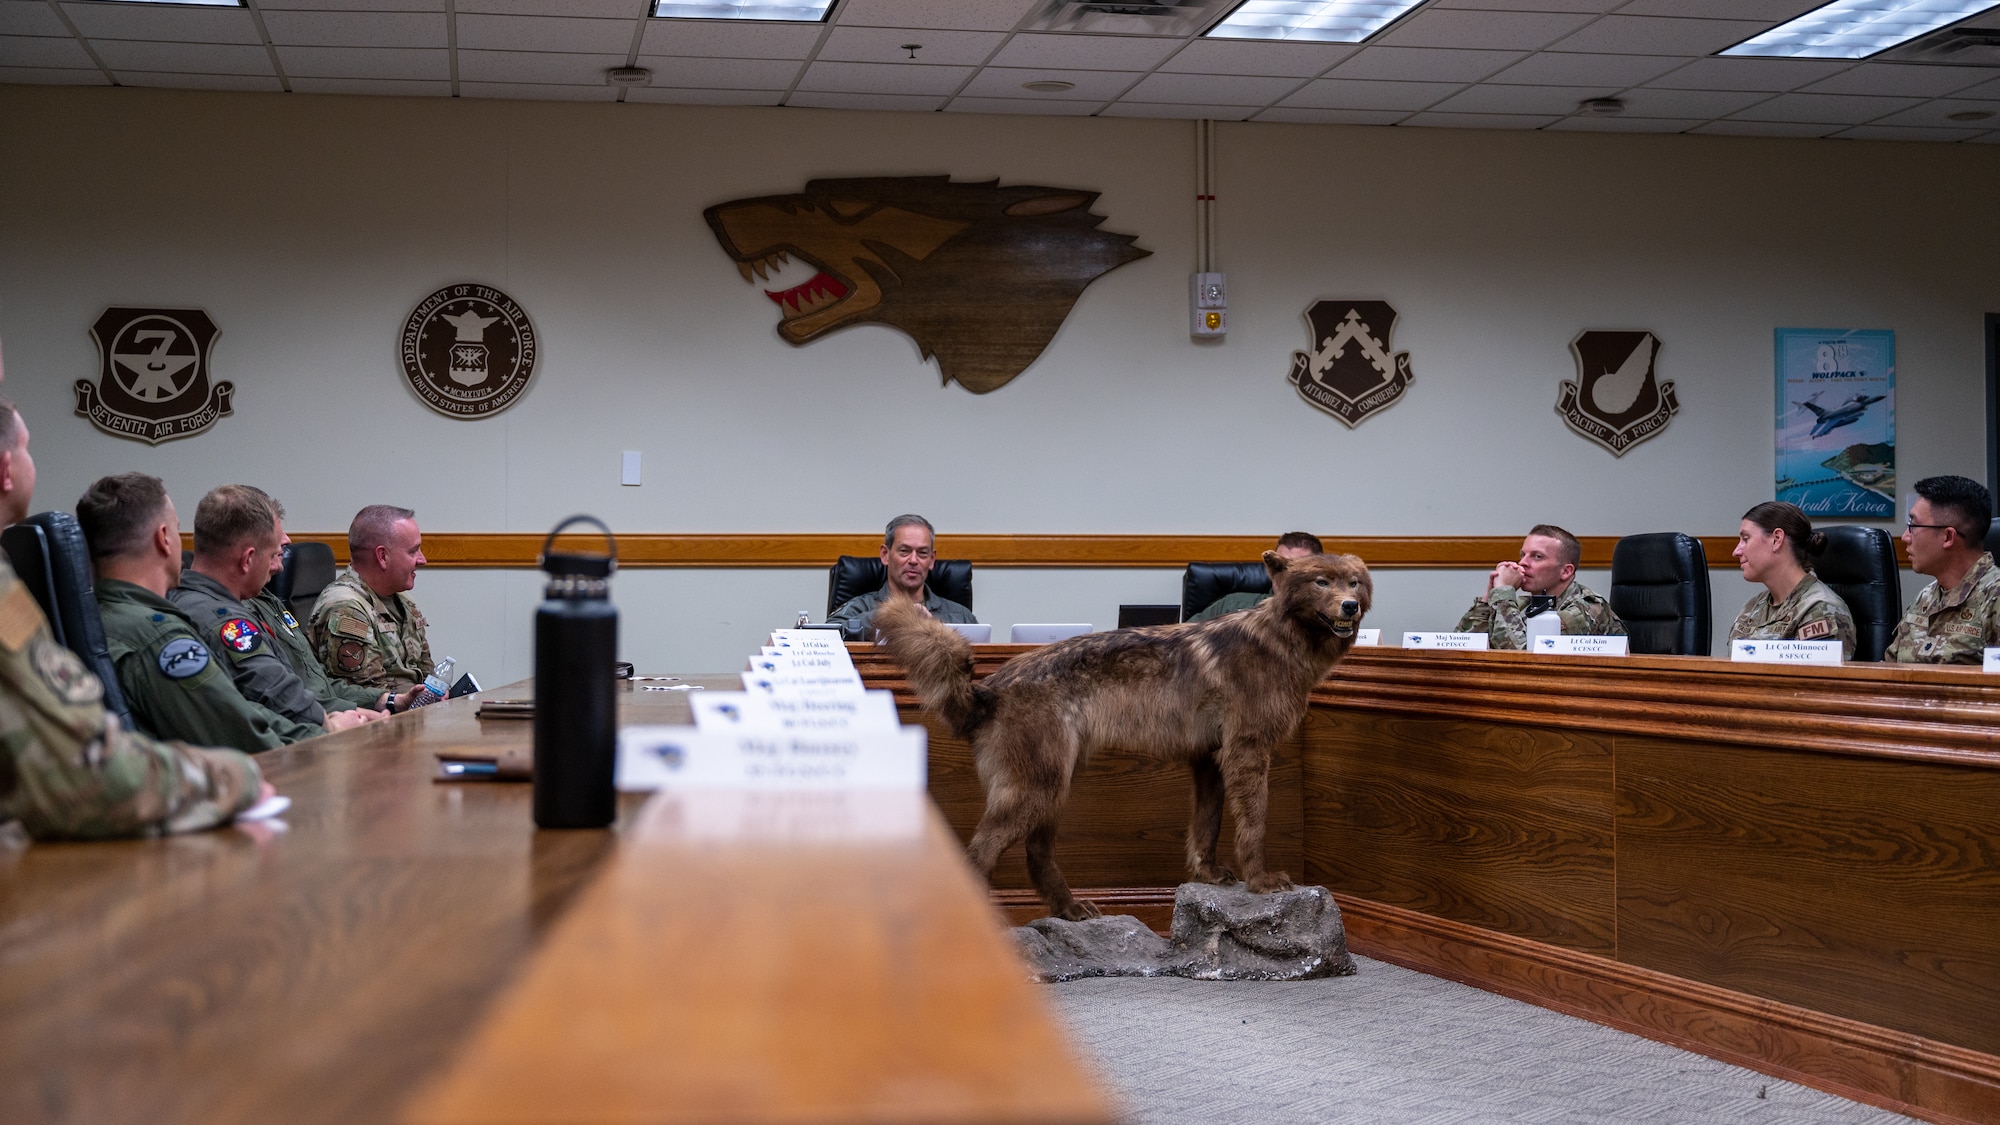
331	970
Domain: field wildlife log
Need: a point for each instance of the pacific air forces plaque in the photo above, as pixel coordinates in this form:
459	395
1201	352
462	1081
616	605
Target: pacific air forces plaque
1618	399
468	351
1349	373
153	380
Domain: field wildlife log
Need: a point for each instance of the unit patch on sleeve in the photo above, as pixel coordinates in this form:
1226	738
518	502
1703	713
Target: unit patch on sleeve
183	657
64	673
350	656
241	635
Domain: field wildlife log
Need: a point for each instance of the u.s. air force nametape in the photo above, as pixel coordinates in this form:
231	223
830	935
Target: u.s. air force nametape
1561	645
1785	652
688	758
755	711
1471	641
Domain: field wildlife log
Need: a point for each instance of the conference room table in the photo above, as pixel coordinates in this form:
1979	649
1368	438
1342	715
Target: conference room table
397	948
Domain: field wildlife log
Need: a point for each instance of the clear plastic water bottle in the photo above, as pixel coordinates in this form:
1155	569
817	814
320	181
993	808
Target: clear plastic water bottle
437	685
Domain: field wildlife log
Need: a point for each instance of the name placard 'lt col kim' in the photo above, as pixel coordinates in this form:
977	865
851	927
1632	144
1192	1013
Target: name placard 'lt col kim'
468	350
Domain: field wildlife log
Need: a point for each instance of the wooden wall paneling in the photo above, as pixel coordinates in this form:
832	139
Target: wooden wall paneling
1501	826
1863	888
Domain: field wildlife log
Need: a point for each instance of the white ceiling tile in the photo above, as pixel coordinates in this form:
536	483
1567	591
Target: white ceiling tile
1773	11
1894	133
1479	120
1914	81
732	39
1538	5
1656	35
1521	99
1554	68
885	44
351	5
1097	86
1764	129
721	74
532	92
1705	104
365	62
1181	112
1290	115
1340	93
1086	52
1213	89
29	17
43	76
150	21
536	67
836	99
379	87
1520	31
1774	75
358	29
1022	107
183	58
1578	123
1245	56
604	9
883	78
43	51
1830	109
1937	114
200	81
970	15
553	33
669	96
1424	64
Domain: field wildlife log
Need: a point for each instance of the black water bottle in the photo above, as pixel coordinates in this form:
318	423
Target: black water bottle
576	703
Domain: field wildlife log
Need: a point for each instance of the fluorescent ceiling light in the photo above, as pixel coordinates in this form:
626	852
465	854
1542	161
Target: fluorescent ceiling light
1855	29
1321	21
180	3
798	11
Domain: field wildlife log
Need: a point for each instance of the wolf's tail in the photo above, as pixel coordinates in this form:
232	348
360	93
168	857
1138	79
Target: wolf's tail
937	660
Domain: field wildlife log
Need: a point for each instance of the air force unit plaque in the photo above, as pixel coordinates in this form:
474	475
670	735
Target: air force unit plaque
1618	399
153	380
1349	372
468	351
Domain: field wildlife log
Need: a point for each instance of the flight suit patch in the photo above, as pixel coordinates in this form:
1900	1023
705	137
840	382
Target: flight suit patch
241	635
183	657
64	673
1816	630
291	622
20	616
351	655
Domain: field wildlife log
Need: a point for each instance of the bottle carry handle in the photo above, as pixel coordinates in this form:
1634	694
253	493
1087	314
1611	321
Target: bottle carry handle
610	540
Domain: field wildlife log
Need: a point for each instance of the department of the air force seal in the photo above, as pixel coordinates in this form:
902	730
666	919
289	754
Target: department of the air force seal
1349	372
1618	400
153	375
468	351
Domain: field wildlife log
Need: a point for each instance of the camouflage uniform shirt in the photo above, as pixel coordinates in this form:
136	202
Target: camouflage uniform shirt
857	614
289	637
174	684
69	769
368	640
1228	604
1503	616
1811	613
1954	627
245	647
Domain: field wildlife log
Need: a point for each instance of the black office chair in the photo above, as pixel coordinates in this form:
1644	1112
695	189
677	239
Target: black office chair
1205	583
48	552
1659	589
1993	539
1860	566
854	575
308	569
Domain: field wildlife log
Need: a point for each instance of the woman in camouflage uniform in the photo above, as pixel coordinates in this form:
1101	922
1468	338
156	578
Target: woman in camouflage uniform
1775	545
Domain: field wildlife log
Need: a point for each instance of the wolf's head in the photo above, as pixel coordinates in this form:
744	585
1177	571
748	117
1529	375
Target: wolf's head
979	275
1325	593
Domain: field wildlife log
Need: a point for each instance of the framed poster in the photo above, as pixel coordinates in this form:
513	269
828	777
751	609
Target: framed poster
1836	425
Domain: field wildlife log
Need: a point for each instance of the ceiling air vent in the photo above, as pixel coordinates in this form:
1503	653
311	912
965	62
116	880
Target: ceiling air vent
1951	46
1107	17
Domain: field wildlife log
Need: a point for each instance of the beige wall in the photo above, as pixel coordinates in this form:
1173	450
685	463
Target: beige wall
309	226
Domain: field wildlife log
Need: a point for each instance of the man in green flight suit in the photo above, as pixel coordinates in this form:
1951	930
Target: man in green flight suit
365	628
1291	545
1543	580
172	681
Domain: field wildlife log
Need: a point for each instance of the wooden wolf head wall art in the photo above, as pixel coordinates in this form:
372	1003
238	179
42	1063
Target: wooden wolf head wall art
979	275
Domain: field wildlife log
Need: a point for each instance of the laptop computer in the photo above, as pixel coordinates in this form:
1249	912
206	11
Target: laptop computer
977	634
1132	616
1045	634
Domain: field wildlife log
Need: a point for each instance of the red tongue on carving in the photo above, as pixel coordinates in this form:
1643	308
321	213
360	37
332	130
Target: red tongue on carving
797	294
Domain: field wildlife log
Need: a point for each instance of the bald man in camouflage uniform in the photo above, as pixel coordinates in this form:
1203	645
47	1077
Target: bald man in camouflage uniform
1543	580
1957	617
365	629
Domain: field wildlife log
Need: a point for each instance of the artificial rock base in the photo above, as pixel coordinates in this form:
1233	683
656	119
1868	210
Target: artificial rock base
1219	933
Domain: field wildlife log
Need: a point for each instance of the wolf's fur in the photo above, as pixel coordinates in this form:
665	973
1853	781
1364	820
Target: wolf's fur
1217	694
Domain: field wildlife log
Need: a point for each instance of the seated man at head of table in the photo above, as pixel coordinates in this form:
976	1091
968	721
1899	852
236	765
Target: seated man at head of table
68	768
1543	580
239	543
907	554
172	680
365	629
1957	616
1291	545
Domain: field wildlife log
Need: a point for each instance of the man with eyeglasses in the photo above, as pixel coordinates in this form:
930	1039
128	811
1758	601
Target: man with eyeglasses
1957	616
907	554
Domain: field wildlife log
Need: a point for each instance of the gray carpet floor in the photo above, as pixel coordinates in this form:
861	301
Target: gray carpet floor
1391	1045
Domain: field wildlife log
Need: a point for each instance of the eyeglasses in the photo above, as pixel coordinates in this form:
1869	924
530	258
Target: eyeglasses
1914	526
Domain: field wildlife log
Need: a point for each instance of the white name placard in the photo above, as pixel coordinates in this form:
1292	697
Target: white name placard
825	640
802	683
755	711
795	817
1565	645
1367	637
799	661
1992	663
1472	641
652	758
1785	652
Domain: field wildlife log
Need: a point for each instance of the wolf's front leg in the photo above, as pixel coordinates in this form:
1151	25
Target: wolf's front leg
1246	776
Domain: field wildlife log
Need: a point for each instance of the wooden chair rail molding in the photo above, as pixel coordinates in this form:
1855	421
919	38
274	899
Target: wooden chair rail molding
481	550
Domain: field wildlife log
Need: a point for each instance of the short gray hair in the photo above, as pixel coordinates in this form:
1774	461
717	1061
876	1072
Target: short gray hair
907	519
371	525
